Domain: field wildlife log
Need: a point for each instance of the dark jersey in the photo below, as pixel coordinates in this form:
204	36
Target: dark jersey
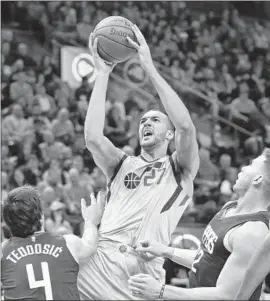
213	255
39	267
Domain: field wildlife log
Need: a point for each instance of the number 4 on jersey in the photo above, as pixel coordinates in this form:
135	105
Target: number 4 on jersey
46	282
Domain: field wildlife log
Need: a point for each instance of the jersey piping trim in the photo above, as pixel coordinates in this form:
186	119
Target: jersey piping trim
177	174
117	168
148	160
177	191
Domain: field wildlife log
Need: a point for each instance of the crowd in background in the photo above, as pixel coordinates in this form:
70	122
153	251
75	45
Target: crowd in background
222	55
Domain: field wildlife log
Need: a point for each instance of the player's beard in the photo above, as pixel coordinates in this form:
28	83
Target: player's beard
149	143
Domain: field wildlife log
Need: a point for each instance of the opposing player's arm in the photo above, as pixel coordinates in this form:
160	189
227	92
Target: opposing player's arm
258	268
83	248
244	242
186	143
105	154
181	256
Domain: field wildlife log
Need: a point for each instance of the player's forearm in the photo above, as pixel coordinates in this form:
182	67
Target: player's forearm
183	257
252	279
89	239
175	108
201	293
95	117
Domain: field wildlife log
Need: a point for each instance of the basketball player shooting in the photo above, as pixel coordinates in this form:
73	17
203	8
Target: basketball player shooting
36	265
227	246
146	195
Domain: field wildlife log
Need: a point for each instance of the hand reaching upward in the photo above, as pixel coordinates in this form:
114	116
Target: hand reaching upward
100	64
94	212
142	48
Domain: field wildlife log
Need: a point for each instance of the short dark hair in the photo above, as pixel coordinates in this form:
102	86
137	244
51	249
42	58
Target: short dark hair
22	211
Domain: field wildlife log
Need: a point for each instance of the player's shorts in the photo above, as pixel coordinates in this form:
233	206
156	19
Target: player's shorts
105	276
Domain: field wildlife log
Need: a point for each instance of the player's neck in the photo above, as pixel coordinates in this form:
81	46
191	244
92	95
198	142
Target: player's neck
251	202
153	154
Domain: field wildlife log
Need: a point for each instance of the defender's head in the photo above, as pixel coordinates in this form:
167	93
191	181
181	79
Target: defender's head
255	176
155	129
22	211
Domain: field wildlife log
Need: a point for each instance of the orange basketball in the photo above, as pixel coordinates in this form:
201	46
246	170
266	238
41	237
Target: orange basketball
113	45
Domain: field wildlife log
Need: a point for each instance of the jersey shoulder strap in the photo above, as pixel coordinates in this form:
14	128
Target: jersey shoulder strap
4	245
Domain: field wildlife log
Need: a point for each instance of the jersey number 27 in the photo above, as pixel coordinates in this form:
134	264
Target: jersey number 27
46	282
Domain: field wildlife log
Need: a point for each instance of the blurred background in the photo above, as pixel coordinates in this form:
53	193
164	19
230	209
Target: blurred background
214	54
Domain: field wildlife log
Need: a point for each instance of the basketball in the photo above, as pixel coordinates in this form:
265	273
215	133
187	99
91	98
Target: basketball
113	46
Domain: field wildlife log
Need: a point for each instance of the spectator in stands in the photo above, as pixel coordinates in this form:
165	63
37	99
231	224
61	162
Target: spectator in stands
21	89
23	54
116	125
62	127
76	190
53	85
226	186
98	180
50	149
45	101
133	119
53	174
47	68
225	162
253	146
57	222
16	179
84	91
4	185
208	177
31	171
242	107
84	177
15	125
7	56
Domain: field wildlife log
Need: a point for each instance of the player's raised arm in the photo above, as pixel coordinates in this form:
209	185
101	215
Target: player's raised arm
185	137
257	270
83	248
105	154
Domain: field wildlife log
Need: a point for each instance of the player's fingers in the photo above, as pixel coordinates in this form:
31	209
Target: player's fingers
134	290
142	249
95	46
90	42
101	199
95	51
138	34
83	204
135	45
139	278
93	199
138	284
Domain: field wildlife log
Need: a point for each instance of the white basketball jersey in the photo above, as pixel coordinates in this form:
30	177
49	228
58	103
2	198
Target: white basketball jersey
145	200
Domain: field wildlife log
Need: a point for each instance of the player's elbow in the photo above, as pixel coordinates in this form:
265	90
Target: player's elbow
86	252
92	140
225	294
187	126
